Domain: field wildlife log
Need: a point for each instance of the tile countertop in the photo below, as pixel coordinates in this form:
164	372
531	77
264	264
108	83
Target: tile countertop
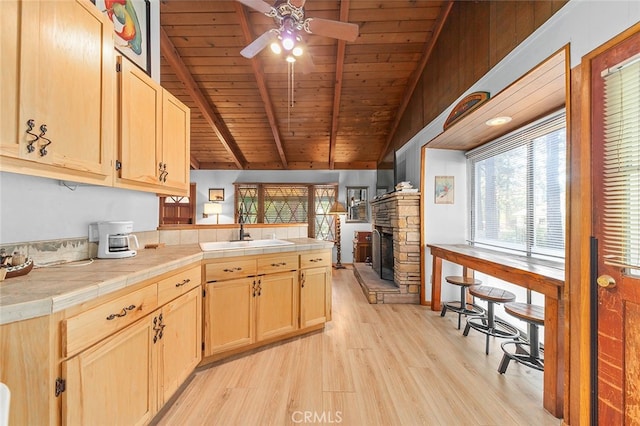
52	289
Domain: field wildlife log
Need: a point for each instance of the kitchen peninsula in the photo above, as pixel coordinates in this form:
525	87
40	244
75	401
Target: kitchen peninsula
74	335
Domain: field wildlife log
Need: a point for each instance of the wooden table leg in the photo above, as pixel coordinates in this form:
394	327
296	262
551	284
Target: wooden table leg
553	356
436	284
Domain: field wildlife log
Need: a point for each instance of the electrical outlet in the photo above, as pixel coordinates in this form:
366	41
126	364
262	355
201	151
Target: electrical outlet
94	236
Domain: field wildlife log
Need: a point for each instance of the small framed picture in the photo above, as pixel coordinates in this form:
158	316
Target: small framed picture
444	190
216	194
131	21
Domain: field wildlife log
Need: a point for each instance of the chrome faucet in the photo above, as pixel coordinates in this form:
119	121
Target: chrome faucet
243	235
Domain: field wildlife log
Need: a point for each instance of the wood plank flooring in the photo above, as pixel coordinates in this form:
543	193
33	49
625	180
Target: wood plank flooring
372	365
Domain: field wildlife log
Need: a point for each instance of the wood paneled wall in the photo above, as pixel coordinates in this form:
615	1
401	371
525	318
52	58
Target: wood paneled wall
476	36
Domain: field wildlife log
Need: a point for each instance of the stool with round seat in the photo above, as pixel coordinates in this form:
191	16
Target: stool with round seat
462	307
533	315
489	324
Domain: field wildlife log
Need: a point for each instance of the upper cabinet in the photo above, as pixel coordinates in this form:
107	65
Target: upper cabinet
58	90
153	142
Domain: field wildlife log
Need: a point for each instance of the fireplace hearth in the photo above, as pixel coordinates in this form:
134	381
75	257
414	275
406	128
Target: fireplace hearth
395	250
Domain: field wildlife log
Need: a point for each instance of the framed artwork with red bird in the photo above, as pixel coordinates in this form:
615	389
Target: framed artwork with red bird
131	27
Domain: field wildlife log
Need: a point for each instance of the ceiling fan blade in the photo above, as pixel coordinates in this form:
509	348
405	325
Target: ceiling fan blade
259	5
335	29
258	44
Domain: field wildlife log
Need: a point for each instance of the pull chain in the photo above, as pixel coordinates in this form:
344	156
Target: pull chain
290	93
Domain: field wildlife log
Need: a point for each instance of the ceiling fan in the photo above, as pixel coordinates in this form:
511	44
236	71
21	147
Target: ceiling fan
289	17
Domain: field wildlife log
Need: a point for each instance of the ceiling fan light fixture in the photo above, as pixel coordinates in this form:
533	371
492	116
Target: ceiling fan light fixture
275	48
297	51
288	43
290	59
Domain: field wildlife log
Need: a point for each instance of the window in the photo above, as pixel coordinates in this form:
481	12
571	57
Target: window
289	203
178	210
621	170
518	198
518	186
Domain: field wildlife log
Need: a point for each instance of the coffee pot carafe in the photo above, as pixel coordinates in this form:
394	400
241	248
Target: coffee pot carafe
115	240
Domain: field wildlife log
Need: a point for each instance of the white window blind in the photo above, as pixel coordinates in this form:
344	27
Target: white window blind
621	171
518	191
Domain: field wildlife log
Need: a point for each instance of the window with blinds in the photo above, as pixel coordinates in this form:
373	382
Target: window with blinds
289	203
518	187
621	171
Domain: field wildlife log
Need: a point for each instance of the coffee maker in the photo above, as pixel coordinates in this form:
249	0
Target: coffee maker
115	240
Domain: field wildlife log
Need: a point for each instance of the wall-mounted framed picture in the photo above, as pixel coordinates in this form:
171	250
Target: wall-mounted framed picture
444	190
132	35
216	194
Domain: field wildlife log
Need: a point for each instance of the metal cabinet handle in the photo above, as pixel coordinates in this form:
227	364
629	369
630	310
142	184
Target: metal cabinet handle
236	269
43	148
121	314
30	126
185	281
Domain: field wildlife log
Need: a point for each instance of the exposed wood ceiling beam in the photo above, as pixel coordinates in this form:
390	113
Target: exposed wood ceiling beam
175	61
337	91
417	74
256	64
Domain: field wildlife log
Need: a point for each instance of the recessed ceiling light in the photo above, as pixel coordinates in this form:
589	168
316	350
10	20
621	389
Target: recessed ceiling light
498	121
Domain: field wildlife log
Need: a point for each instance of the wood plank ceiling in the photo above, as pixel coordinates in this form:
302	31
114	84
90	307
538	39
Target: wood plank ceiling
344	112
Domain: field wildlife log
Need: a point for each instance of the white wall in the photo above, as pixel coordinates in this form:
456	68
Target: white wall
35	209
205	179
445	223
583	24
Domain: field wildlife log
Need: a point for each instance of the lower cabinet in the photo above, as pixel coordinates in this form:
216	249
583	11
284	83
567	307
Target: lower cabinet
315	296
276	305
113	382
278	296
127	377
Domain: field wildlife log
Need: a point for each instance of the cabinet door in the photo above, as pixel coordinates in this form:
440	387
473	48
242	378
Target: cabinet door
113	382
10	66
228	315
315	296
175	145
67	85
277	305
140	118
181	341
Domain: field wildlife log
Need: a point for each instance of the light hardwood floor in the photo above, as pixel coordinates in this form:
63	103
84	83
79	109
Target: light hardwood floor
372	365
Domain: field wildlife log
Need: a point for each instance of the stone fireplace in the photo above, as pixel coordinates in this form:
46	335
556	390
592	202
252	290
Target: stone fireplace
395	250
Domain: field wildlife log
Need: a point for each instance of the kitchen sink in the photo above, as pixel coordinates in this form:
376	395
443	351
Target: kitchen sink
230	245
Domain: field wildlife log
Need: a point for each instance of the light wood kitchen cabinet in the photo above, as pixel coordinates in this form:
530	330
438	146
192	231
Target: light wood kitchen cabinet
181	342
58	90
315	288
113	360
113	382
253	300
276	304
228	315
153	137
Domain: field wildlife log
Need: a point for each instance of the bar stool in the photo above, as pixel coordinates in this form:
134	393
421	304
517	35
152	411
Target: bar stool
462	307
533	315
489	324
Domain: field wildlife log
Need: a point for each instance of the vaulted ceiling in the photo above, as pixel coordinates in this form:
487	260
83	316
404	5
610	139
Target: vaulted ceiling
256	114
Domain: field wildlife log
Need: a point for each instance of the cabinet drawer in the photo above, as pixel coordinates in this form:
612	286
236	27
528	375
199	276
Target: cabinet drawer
233	268
281	263
174	286
87	328
313	260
